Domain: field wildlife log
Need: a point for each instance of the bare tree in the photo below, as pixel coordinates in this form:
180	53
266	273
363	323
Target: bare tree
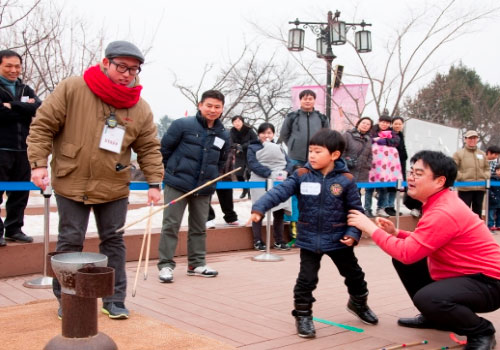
408	53
53	45
53	42
408	57
258	90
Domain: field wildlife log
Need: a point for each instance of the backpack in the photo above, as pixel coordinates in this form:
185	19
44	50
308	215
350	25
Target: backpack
295	114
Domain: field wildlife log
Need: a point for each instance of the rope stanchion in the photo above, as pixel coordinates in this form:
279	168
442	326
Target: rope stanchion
267	256
44	282
399	188
487	200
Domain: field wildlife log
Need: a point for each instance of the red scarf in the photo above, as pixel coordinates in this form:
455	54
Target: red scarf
110	93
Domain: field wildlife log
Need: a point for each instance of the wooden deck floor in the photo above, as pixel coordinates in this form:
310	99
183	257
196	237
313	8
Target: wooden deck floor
248	305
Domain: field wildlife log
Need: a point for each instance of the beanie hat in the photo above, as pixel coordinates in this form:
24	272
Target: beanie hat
123	49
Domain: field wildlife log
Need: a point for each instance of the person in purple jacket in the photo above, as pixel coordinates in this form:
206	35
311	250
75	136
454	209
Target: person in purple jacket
326	191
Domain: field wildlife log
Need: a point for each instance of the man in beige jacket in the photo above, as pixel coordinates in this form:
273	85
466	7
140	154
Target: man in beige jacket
472	166
90	124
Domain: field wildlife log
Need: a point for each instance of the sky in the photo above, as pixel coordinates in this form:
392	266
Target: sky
185	36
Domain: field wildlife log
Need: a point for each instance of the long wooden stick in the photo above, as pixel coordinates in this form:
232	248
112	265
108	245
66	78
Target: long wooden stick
134	288
179	198
148	244
405	345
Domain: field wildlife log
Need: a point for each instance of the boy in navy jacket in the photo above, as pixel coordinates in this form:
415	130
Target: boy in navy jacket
326	192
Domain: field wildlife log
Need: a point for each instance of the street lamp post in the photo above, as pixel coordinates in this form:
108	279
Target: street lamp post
331	32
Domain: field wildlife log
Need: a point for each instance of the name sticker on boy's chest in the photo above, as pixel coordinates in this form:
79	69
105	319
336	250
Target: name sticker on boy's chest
310	188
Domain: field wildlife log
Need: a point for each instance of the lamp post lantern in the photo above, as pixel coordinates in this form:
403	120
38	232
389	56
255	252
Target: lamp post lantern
331	32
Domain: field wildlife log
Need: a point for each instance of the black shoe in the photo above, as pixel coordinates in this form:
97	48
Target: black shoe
390	211
304	320
259	246
418	321
369	213
281	246
305	326
357	305
480	342
2	242
19	237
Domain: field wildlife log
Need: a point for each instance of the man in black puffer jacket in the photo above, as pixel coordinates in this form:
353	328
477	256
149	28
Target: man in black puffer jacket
17	108
194	151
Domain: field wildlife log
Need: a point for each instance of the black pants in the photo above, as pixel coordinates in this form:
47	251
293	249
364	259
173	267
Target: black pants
14	166
347	265
278	216
451	303
226	204
474	199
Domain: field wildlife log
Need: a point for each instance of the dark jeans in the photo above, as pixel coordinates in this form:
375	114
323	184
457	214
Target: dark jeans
473	199
226	205
14	166
278	216
109	217
451	303
347	265
494	217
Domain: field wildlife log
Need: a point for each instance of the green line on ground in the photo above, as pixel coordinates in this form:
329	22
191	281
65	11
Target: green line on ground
349	328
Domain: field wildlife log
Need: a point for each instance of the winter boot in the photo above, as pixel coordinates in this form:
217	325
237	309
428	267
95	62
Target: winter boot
304	321
358	306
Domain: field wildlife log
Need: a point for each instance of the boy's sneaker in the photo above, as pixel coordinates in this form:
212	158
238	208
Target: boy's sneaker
281	246
202	271
210	224
259	246
305	326
369	213
115	310
166	275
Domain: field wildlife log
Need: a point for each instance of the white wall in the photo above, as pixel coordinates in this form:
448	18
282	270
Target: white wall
420	135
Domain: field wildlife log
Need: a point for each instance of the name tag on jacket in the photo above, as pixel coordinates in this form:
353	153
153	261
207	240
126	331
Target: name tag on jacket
310	188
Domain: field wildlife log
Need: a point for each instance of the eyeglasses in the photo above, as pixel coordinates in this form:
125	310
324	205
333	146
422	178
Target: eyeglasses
122	68
415	175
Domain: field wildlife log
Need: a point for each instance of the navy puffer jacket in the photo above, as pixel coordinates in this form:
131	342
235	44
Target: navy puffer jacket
193	153
324	202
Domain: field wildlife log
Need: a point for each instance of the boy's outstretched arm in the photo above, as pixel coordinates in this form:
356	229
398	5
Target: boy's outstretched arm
276	195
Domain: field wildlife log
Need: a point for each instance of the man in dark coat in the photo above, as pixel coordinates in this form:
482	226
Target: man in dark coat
194	151
17	108
299	126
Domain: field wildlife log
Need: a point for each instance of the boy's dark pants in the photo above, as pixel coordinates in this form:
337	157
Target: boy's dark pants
347	264
451	303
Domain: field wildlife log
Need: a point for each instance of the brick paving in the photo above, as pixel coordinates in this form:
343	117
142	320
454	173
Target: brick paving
248	305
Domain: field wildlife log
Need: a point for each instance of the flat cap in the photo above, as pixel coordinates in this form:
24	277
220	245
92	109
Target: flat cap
471	133
123	49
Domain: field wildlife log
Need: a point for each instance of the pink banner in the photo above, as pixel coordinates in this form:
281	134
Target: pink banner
348	103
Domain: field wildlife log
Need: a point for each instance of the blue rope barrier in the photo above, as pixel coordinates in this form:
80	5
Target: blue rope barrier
224	185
